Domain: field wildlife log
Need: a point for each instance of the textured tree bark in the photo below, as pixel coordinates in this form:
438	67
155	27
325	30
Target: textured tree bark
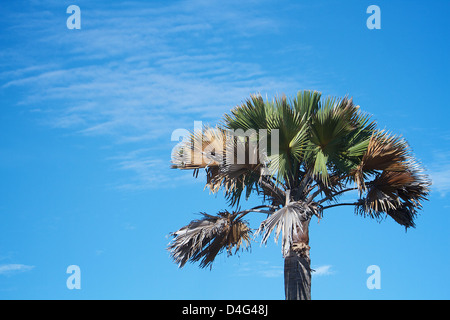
297	268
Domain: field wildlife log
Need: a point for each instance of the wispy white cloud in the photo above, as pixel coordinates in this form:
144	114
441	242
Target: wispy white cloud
272	272
137	71
440	177
267	270
438	169
262	269
148	171
8	269
322	271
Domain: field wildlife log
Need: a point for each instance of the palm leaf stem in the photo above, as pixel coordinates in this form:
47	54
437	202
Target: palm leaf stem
334	195
339	204
273	188
257	209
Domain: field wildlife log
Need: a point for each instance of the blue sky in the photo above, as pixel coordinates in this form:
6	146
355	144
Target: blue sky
85	141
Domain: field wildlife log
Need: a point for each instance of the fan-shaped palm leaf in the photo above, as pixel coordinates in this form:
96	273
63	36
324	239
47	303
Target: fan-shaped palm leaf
218	151
396	193
384	152
281	121
339	134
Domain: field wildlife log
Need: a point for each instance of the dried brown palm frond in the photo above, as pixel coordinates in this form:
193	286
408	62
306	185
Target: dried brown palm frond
385	152
240	170
203	239
404	216
396	193
231	162
203	148
288	222
232	171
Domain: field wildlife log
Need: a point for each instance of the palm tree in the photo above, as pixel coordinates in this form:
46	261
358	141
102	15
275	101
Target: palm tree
321	148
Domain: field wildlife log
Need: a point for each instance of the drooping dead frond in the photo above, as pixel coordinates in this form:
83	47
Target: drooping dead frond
202	240
287	221
404	215
396	193
384	152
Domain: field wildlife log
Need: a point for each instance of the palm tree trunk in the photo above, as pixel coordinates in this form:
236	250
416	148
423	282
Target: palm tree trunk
297	268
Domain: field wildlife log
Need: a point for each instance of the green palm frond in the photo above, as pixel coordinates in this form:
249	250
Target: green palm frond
254	114
280	120
339	137
306	103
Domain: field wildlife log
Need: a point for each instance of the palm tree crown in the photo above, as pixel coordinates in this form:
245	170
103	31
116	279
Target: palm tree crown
301	154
